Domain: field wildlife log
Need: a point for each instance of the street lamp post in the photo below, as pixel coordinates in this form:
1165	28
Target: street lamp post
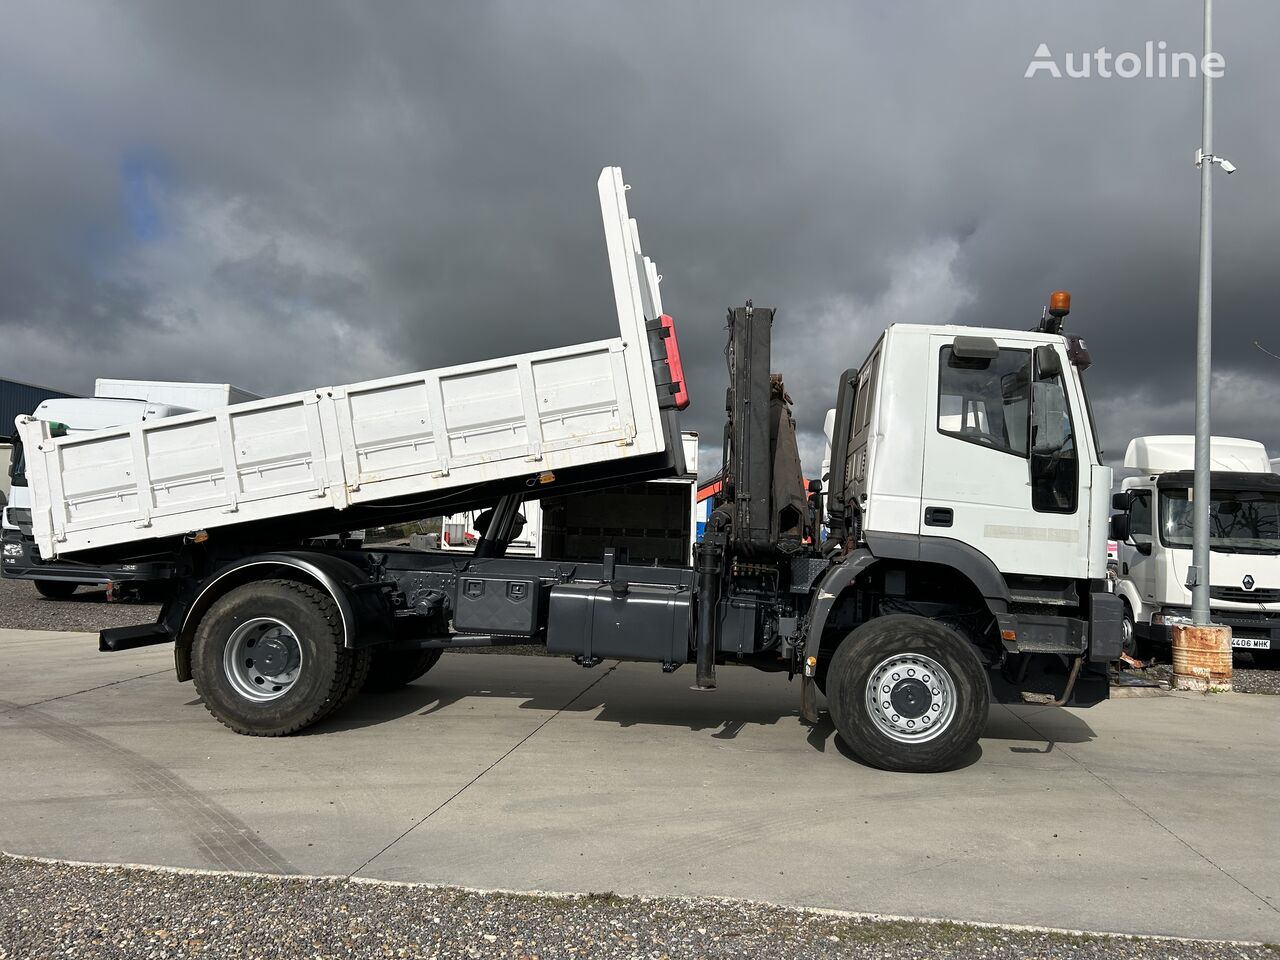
1198	573
1201	650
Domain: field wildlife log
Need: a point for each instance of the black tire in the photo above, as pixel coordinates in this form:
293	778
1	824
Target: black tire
393	669
959	705
323	677
56	589
361	661
1134	645
1266	659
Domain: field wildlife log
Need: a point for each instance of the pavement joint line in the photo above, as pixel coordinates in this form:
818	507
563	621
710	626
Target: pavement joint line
642	898
466	786
1150	816
14	707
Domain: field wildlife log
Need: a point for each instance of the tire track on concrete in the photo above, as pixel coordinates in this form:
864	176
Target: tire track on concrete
221	837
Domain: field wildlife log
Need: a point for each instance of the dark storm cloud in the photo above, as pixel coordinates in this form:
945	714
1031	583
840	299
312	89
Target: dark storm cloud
327	192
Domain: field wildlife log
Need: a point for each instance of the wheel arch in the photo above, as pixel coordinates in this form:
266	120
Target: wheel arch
1127	591
838	585
365	620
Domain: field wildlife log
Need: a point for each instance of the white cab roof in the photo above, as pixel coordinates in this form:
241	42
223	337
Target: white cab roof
1168	453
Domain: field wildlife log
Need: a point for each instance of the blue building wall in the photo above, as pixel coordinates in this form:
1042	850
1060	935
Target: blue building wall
17	398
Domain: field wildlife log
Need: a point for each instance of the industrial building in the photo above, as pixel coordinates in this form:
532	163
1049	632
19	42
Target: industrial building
17	398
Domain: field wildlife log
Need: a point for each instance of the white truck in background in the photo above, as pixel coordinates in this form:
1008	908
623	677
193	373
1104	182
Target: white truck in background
1153	532
192	396
114	403
655	521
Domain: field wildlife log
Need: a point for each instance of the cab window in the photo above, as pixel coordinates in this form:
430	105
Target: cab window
1054	465
986	400
1141	529
866	390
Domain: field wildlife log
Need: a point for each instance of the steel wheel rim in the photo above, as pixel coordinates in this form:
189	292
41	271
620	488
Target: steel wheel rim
911	698
262	659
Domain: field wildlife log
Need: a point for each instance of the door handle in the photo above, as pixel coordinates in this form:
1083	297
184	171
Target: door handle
938	516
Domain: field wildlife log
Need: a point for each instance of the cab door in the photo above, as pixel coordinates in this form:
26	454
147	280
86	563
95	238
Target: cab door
1136	555
1001	471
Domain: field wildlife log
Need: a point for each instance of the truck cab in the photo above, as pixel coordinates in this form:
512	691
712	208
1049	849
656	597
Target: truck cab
996	461
966	481
1153	531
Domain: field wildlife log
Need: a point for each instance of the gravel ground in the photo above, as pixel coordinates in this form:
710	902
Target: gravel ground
49	910
21	608
1245	677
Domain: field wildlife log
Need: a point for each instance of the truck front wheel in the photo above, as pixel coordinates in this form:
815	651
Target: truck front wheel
908	694
268	658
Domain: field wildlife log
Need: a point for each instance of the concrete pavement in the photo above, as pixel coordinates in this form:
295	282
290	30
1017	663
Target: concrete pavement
1140	815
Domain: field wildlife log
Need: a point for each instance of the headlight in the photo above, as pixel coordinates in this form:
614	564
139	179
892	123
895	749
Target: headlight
13	549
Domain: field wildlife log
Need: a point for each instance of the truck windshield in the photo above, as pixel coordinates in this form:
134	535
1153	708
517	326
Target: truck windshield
1240	521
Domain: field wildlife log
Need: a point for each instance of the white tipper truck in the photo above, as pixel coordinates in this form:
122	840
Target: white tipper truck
1153	531
964	558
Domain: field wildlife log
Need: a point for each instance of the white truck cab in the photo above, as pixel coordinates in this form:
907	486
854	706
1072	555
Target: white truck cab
1153	530
984	440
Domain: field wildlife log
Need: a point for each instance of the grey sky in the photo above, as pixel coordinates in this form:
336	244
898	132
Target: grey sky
285	195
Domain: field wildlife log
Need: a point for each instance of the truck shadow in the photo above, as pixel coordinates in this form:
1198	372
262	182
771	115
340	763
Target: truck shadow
1039	728
668	702
663	701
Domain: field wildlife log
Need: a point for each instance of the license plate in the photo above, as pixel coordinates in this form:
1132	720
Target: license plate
1251	643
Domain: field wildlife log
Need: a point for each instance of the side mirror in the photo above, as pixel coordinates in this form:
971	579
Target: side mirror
1118	528
1048	363
975	348
1121	501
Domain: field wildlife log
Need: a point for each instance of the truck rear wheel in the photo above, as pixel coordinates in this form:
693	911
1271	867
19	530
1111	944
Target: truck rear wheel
268	658
393	669
907	694
56	589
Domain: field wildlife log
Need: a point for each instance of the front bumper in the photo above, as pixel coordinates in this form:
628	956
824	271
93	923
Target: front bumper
1244	624
20	560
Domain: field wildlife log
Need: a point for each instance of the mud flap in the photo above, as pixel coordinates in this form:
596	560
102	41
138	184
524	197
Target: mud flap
808	700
